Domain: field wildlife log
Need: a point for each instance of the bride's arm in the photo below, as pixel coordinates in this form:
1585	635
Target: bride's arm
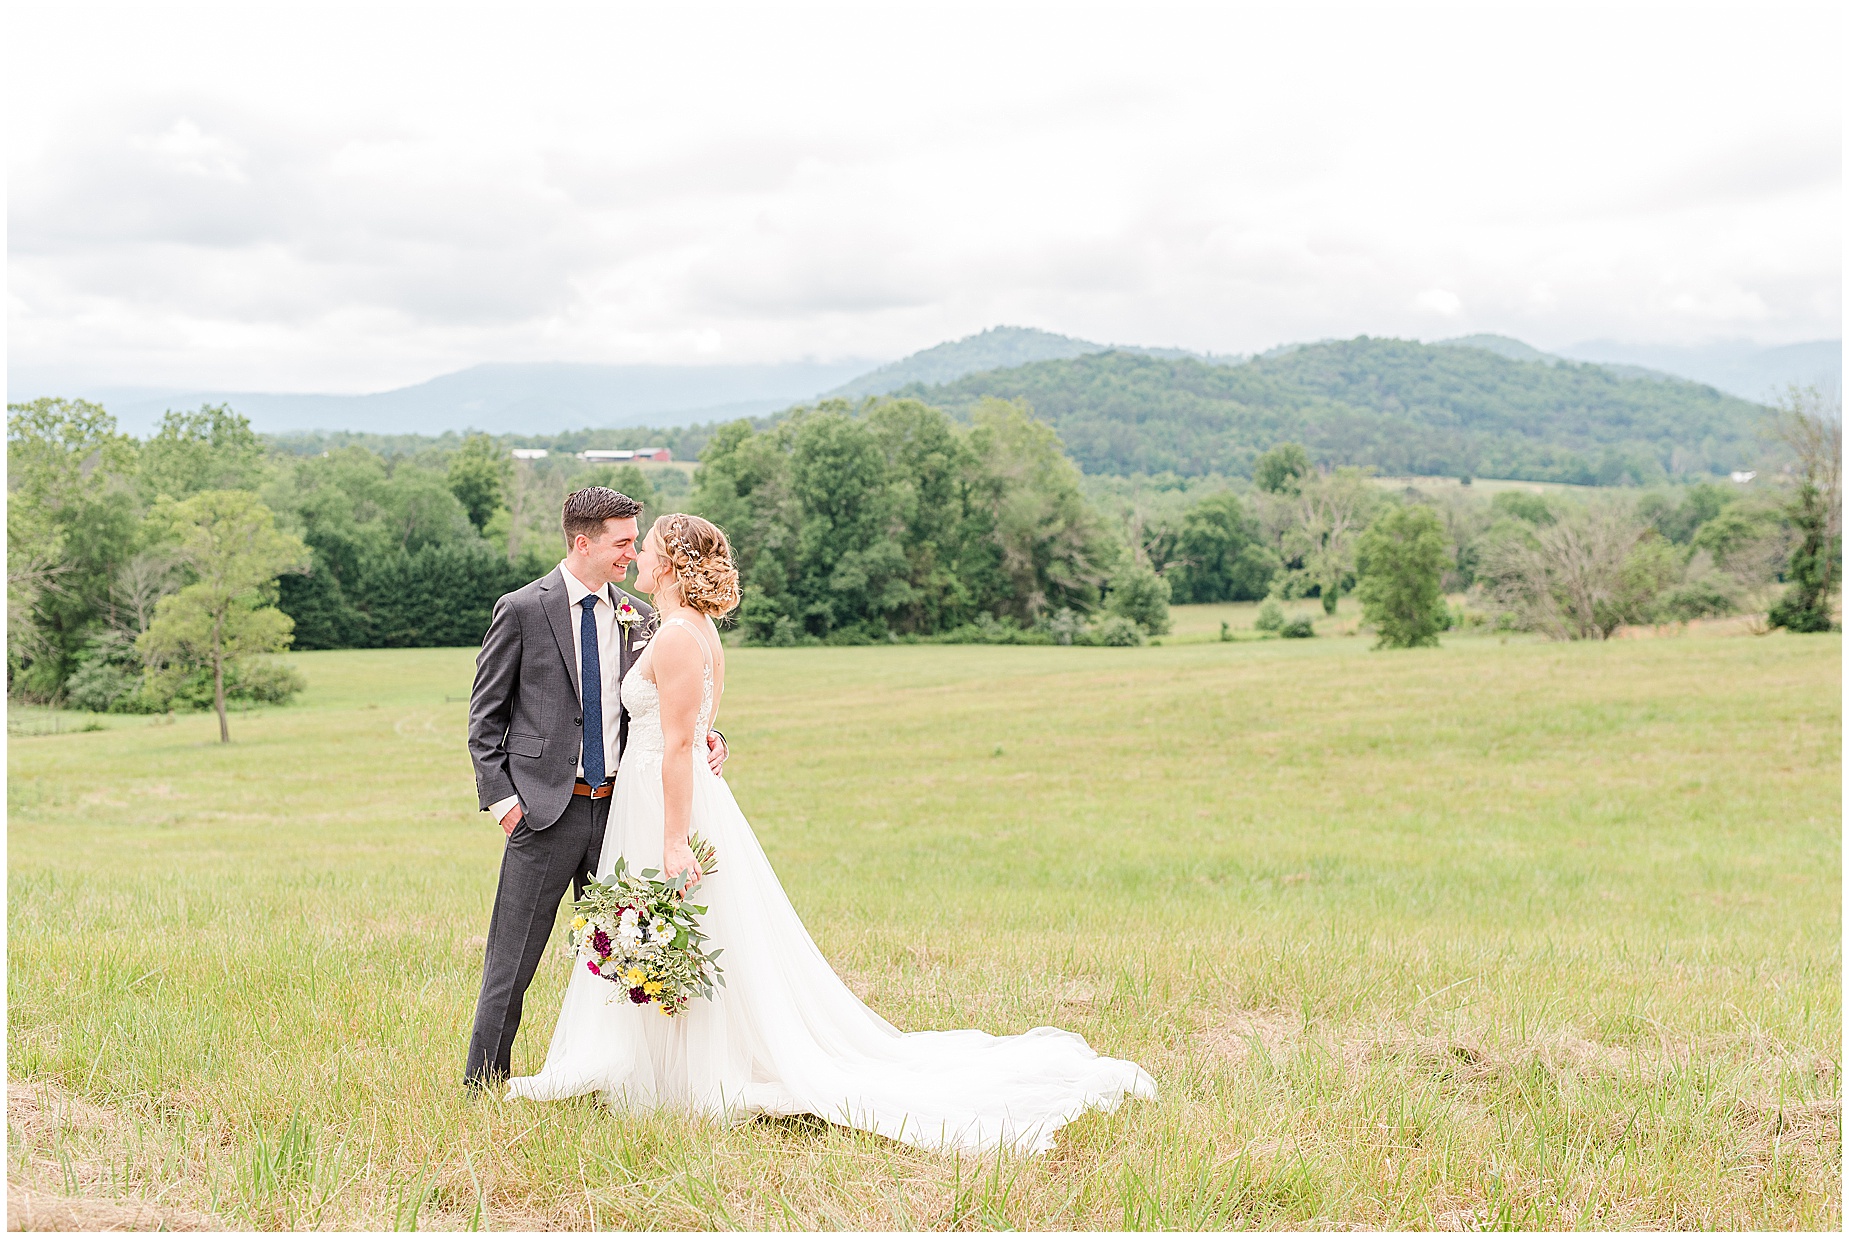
677	666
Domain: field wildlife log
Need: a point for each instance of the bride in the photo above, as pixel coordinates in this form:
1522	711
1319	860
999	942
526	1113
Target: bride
784	1035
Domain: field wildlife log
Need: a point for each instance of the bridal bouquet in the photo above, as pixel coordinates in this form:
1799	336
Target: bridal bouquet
638	931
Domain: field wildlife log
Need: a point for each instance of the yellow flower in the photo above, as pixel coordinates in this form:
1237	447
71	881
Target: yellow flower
578	922
635	976
651	988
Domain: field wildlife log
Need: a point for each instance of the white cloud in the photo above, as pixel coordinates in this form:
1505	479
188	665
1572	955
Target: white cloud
345	198
1438	301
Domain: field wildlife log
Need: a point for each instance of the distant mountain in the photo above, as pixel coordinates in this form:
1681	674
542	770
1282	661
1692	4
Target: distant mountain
541	400
1516	350
1751	371
1502	346
1745	370
506	399
998	348
1398	405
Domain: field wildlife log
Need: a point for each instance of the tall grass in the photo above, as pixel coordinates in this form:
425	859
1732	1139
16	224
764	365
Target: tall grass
1496	935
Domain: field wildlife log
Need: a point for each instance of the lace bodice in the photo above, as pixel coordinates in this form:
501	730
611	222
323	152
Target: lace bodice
642	698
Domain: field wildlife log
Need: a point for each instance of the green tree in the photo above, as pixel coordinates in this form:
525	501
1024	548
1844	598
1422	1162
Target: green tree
1219	554
419	510
1051	549
437	595
744	487
1812	571
852	574
1330	510
478	475
928	465
34	560
1749	541
852	524
231	543
336	500
814	511
1678	522
211	449
73	508
1139	595
1813	430
1523	506
1278	470
1584	576
1400	566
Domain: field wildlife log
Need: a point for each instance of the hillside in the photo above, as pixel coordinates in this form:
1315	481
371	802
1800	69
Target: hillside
1502	346
998	348
1397	405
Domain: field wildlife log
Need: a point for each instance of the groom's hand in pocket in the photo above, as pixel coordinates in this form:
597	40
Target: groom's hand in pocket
512	819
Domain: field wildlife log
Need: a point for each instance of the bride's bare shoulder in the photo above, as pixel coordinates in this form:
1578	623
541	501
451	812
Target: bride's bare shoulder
676	640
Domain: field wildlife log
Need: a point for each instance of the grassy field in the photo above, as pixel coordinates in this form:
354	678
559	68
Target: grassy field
1491	487
1201	622
1502	934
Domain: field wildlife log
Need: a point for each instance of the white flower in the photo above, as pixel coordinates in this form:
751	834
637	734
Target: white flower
659	931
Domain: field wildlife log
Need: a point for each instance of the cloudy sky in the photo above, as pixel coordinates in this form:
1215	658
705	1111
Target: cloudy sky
334	198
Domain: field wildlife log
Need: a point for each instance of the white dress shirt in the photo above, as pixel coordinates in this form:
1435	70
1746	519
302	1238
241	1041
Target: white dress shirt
609	662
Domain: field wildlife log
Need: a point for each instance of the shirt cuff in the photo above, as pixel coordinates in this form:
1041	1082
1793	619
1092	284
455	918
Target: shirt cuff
499	808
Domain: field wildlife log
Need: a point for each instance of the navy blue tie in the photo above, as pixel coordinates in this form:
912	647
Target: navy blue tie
590	675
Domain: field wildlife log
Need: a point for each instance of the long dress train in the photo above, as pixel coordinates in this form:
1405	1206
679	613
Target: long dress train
785	1035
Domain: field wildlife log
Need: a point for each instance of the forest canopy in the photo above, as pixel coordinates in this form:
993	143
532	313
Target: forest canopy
1400	407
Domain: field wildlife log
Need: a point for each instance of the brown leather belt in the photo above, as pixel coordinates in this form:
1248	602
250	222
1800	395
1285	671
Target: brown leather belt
602	790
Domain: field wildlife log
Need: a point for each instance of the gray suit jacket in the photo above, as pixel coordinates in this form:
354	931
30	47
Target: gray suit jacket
525	718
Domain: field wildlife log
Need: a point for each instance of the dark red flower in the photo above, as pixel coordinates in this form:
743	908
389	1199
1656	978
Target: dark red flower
637	996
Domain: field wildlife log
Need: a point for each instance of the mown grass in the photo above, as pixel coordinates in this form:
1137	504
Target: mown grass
1497	935
1202	621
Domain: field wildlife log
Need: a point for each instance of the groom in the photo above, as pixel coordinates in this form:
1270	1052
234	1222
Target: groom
546	729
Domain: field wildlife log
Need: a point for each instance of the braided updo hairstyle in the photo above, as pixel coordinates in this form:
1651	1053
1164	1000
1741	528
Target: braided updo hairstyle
697	551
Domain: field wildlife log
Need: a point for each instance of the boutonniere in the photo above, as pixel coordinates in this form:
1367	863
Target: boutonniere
627	615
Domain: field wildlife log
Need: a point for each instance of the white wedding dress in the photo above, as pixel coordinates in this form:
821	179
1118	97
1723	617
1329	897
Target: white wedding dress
784	1035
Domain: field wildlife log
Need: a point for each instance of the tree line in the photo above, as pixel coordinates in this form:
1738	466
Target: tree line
148	576
157	575
142	576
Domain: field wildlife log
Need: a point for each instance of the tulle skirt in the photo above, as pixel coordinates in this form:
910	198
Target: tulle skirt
785	1035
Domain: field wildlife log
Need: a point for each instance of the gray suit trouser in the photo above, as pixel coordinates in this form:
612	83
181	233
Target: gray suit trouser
536	870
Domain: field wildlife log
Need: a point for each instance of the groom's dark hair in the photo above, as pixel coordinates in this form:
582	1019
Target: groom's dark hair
586	510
